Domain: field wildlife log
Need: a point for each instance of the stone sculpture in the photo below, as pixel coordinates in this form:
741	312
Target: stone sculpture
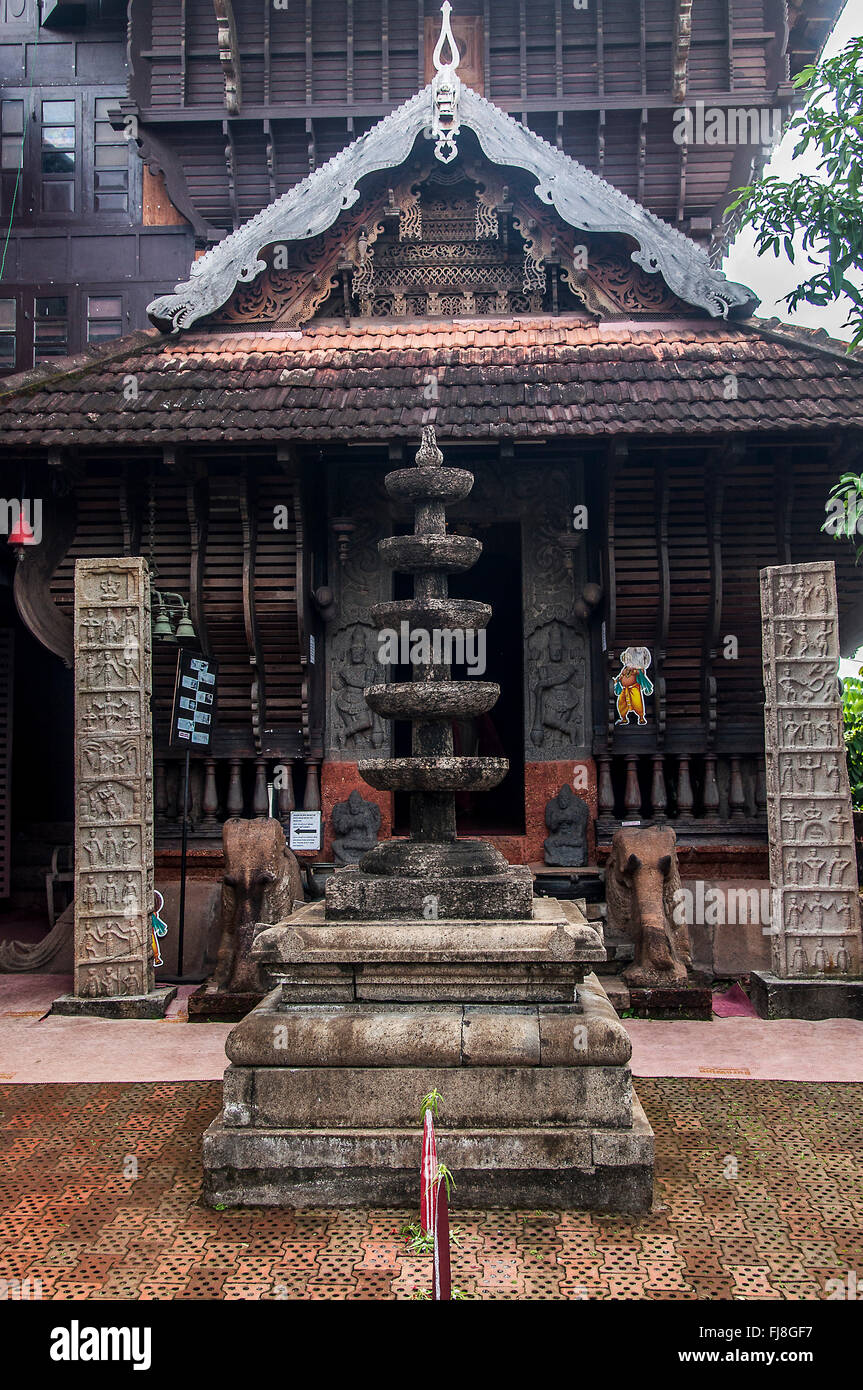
356	823
114	893
566	816
261	883
641	880
430	965
815	927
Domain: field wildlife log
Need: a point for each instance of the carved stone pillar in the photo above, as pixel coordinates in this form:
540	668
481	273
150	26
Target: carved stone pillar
113	794
813	872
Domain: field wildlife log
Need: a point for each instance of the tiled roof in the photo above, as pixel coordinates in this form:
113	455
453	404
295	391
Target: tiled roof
514	377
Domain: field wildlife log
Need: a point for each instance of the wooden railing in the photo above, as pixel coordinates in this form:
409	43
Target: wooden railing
704	794
231	786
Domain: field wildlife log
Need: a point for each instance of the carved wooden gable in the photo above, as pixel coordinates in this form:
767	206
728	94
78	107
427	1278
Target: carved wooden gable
448	241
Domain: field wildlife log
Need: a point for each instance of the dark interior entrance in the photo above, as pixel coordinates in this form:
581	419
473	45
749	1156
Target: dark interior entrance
494	579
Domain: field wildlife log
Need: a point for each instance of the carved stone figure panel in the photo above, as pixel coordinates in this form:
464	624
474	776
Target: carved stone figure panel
813	872
113	779
566	816
356	823
358	580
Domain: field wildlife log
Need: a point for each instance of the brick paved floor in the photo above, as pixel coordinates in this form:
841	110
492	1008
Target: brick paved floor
759	1196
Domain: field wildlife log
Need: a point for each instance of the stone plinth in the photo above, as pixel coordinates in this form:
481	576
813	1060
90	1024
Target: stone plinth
538	1106
431	966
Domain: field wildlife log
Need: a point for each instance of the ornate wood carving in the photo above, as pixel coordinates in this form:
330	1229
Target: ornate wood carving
229	55
580	198
680	47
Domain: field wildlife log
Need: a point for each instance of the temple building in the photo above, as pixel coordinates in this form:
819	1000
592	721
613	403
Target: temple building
337	224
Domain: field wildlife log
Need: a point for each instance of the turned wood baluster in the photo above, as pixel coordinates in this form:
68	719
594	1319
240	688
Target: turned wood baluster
312	797
260	798
285	801
761	787
196	795
235	788
658	792
736	796
711	787
210	803
160	792
605	790
174	793
632	794
685	799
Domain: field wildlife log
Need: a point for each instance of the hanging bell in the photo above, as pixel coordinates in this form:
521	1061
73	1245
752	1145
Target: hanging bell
185	630
162	625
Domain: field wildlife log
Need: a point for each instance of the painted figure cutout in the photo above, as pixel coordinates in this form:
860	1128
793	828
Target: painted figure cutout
631	685
157	927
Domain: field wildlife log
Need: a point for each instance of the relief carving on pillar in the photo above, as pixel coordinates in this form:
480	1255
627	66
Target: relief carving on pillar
113	779
816	917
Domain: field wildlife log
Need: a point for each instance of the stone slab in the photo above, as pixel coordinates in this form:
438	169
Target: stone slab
152	1005
808	999
553	932
591	1168
390	1097
210	1005
352	895
693	1001
282	1034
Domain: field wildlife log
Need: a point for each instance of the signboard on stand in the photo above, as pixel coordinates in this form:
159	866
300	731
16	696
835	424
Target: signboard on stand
194	707
305	830
192	718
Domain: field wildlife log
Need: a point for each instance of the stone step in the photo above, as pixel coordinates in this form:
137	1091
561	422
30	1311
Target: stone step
390	1097
617	992
522	1167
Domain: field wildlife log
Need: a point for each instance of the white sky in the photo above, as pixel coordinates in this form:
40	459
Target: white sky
770	276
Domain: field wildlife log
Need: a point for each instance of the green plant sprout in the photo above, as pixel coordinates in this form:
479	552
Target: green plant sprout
422	1242
430	1102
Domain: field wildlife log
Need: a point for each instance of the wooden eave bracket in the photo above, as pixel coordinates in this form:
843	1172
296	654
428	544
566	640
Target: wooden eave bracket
229	55
680	50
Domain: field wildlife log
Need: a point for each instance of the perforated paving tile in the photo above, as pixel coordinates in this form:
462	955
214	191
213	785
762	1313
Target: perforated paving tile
778	1223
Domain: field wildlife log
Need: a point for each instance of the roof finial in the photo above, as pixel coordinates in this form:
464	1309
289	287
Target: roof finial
446	36
446	86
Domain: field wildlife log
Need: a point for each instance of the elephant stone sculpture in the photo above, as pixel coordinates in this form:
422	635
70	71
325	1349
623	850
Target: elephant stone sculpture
261	883
641	881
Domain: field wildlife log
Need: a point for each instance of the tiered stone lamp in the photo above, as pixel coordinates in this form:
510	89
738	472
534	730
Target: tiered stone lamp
431	965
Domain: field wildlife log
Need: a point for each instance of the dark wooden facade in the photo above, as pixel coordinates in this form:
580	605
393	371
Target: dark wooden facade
298	393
